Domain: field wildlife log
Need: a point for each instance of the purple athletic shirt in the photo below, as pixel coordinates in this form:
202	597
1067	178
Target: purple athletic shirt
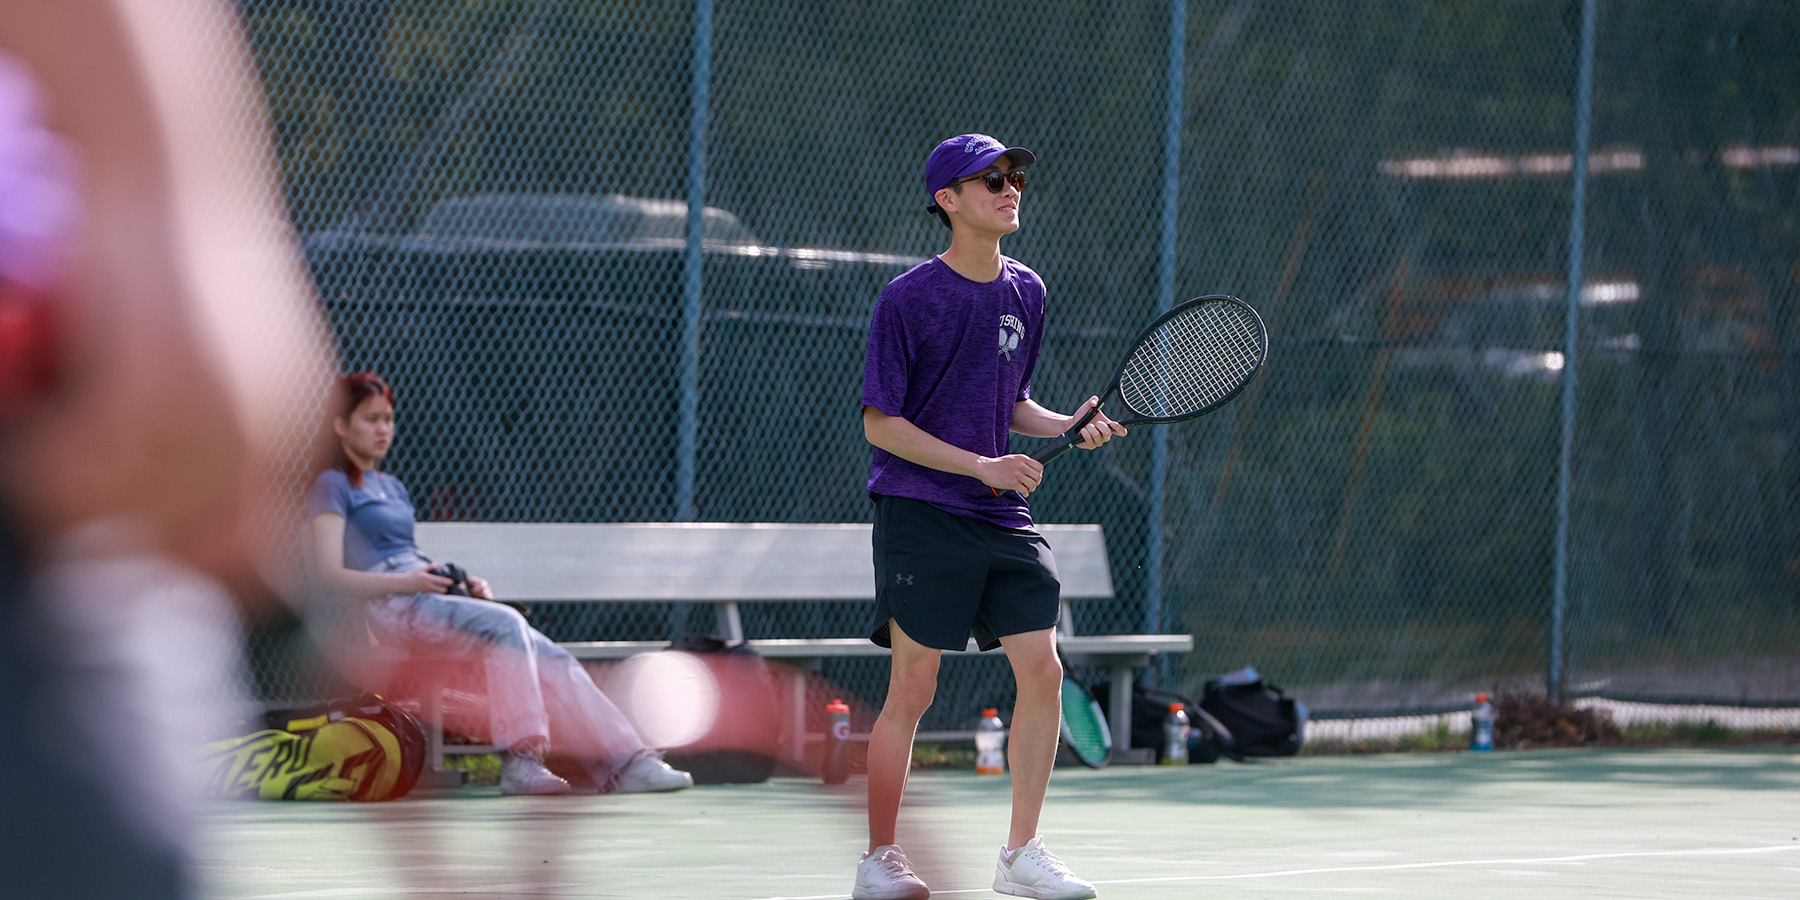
934	361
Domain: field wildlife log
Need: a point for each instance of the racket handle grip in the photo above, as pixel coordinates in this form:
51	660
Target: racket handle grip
1061	445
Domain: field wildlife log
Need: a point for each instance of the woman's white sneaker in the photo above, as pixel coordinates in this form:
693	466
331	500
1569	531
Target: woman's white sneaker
1033	871
884	873
524	773
647	773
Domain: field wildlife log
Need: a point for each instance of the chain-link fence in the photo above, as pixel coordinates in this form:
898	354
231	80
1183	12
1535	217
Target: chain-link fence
494	199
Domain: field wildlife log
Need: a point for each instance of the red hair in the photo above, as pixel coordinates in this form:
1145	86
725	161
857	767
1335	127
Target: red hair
347	394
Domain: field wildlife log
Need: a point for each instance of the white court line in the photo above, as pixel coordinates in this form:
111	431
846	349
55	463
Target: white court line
1444	864
1283	873
527	888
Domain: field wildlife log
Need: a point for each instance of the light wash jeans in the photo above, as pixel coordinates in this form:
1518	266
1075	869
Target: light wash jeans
535	689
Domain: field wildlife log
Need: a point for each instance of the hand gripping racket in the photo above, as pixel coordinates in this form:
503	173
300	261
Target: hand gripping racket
1190	361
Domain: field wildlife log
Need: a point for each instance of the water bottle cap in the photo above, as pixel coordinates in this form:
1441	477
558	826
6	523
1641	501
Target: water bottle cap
1481	698
990	713
837	706
1177	707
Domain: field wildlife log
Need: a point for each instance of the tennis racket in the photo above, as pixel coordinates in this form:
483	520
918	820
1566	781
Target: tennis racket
1190	361
1083	728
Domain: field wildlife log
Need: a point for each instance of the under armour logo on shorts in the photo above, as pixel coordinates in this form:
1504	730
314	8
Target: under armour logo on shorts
902	579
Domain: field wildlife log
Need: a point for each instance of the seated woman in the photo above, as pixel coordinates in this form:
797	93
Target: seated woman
538	696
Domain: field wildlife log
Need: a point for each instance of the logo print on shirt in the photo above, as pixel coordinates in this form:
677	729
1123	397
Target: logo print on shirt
1010	330
902	579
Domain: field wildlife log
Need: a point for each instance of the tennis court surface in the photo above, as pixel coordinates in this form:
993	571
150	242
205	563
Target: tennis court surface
1629	823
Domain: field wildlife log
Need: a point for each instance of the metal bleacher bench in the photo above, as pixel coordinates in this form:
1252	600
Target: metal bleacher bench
728	564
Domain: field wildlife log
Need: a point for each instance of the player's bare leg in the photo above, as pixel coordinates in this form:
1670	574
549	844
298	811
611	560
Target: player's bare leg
1027	868
912	684
1031	745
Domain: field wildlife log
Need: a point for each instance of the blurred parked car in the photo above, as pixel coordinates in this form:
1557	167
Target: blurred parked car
537	338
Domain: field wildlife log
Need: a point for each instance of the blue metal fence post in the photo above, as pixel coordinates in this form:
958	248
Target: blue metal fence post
1559	603
692	299
1165	295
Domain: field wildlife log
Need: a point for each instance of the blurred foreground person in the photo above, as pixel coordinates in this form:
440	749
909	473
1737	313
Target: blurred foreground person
538	697
154	330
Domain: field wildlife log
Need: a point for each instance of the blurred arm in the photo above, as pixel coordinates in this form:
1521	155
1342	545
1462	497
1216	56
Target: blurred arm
192	325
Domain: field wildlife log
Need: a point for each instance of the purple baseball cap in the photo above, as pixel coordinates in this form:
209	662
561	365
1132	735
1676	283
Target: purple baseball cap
967	154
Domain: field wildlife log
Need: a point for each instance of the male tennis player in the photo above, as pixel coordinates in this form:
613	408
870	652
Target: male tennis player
955	551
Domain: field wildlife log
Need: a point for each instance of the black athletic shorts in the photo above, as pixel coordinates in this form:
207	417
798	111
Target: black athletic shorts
946	577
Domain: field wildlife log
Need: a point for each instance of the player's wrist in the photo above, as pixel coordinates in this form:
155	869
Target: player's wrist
991	471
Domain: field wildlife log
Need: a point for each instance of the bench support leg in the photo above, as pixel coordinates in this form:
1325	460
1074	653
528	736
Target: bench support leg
432	705
1118	701
795	739
1118	709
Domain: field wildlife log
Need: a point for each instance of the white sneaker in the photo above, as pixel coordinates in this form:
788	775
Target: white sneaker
647	773
523	773
1036	872
885	874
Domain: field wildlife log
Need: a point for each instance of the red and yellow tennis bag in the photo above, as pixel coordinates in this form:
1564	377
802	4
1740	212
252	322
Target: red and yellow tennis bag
361	749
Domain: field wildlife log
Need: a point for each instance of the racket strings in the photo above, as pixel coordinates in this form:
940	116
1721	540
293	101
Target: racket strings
1192	361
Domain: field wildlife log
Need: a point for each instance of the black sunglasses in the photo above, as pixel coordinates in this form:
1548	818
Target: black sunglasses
995	180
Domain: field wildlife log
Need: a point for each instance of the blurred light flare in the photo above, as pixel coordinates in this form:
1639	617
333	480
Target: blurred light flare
673	698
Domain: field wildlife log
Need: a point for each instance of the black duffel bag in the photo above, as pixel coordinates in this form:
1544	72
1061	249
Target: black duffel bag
1263	719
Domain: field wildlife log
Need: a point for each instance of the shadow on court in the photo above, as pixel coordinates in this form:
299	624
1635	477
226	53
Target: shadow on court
1551	824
